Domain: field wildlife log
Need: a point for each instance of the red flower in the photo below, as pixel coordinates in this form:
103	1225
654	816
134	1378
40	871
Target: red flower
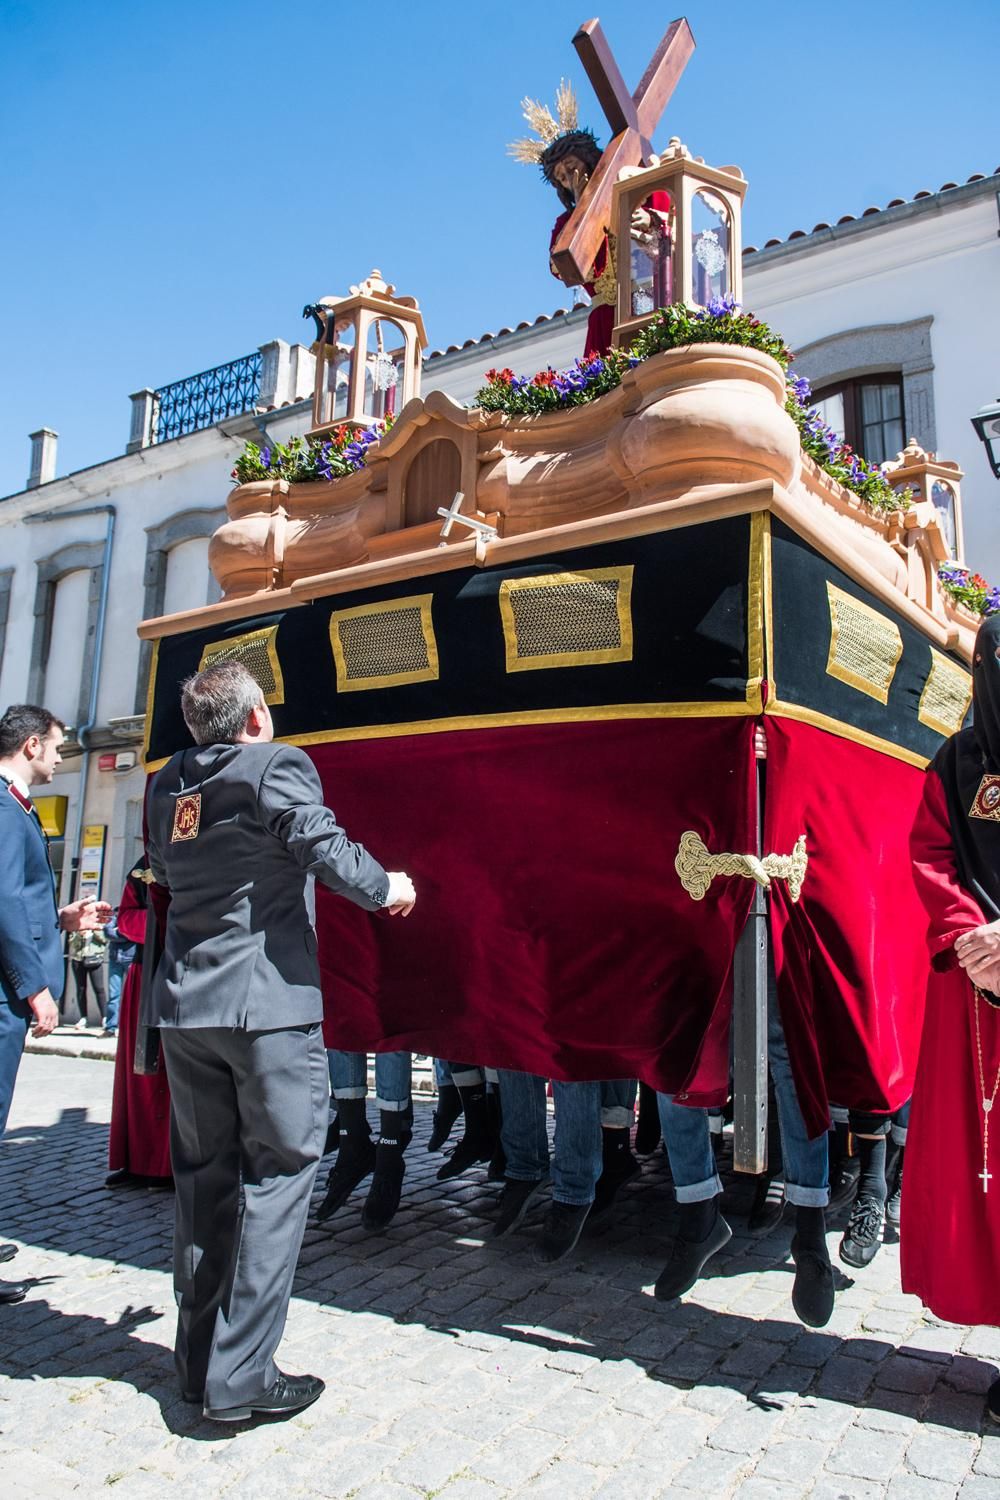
500	377
544	377
979	581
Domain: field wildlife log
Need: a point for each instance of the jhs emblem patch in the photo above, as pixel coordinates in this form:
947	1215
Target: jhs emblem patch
986	803
187	817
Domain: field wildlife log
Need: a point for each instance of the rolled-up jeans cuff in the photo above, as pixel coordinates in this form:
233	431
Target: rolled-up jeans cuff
807	1197
491	1075
838	1115
898	1134
391	1106
616	1116
699	1192
466	1079
353	1091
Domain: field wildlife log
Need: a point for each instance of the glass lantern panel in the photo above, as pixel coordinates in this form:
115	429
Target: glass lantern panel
385	367
650	268
943	497
340	361
710	244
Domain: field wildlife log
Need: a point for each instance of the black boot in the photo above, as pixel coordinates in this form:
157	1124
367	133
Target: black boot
355	1158
477	1143
702	1232
812	1290
647	1129
618	1167
449	1107
387	1183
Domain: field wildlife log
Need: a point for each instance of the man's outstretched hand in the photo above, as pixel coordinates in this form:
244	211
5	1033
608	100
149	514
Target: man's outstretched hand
84	915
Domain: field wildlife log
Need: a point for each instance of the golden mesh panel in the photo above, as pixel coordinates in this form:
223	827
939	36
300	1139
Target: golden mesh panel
947	694
865	647
567	619
383	645
258	652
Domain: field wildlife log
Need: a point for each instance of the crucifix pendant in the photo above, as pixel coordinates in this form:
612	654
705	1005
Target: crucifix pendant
986	1177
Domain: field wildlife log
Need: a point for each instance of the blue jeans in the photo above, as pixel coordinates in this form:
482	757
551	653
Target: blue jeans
618	1103
688	1142
525	1138
116	978
462	1075
349	1077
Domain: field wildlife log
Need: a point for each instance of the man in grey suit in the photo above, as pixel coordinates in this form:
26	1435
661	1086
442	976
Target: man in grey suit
238	833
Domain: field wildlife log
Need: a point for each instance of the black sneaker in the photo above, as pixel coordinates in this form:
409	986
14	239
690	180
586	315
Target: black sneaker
993	1402
473	1149
560	1231
863	1235
347	1173
893	1202
768	1207
515	1200
812	1289
688	1259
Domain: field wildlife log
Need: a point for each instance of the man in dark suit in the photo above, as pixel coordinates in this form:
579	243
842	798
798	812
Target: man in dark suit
238	833
31	959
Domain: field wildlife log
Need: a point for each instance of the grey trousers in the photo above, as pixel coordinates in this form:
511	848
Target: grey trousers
250	1108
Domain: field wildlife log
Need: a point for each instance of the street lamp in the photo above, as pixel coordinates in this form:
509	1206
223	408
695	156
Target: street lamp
987	425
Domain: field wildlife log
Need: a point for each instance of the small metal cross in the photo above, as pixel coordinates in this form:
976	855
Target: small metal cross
986	1176
483	531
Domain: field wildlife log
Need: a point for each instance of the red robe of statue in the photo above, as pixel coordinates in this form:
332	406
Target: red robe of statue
950	1229
139	1141
601	322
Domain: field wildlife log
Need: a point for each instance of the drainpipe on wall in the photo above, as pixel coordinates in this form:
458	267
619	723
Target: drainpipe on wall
83	731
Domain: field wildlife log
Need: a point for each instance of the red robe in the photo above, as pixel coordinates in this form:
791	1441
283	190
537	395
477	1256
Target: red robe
950	1229
139	1141
600	324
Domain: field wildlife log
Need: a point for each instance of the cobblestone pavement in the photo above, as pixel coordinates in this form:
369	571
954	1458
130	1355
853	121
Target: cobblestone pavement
458	1368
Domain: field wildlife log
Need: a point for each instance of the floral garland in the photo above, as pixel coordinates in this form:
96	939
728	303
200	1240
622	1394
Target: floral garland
837	458
301	460
970	589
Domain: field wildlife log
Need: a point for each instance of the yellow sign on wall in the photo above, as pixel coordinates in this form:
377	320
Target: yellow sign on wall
52	814
92	859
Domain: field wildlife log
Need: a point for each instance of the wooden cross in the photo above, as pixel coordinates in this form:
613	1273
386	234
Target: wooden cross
632	118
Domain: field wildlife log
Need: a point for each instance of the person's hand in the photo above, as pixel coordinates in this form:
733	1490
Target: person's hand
401	896
46	1013
760	742
84	915
978	947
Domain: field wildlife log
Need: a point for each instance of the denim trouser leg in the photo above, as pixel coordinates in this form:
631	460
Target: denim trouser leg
689	1146
578	1156
618	1102
348	1073
524	1133
807	1163
116	978
442	1073
393	1077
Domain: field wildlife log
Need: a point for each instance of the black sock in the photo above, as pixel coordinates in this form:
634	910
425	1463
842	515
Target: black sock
393	1131
871	1183
354	1131
810	1226
615	1144
698	1219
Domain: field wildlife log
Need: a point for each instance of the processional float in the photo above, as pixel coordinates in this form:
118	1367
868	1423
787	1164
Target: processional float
528	654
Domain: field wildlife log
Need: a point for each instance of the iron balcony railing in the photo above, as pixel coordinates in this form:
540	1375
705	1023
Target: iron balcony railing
202	400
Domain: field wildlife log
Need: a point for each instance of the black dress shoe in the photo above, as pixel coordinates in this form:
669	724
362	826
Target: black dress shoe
449	1107
288	1394
993	1402
515	1200
812	1289
12	1291
7	1252
348	1172
688	1259
561	1228
386	1189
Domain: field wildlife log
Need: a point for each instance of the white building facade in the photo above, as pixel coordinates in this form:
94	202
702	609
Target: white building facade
894	317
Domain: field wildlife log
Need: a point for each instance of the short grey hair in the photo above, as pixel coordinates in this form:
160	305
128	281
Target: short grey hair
217	702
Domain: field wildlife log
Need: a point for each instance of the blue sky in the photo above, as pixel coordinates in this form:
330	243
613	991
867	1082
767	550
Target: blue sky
180	180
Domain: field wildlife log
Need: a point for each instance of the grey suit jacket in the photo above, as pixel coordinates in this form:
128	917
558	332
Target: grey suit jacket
239	834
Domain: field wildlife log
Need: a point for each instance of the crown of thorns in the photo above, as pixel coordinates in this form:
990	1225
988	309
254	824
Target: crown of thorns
556	137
